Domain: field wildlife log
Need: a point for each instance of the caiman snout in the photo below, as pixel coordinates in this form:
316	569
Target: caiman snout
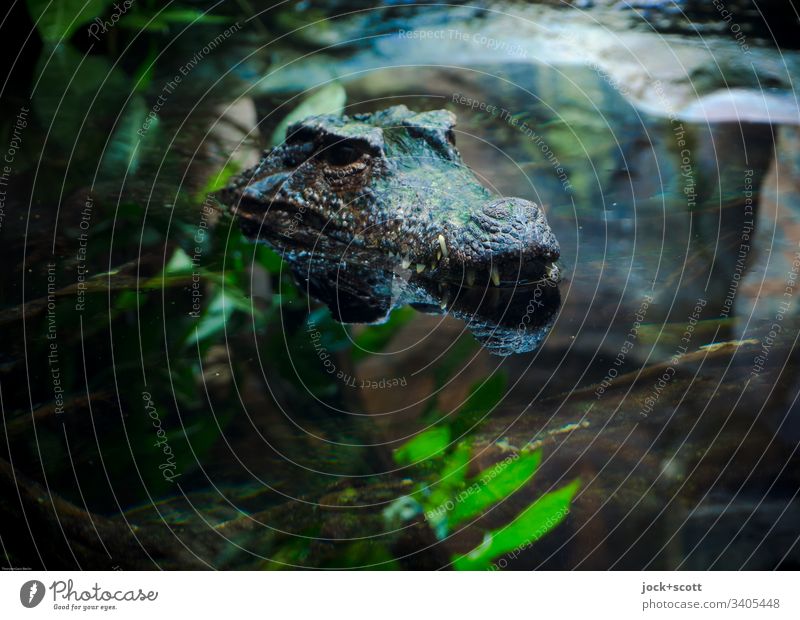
510	239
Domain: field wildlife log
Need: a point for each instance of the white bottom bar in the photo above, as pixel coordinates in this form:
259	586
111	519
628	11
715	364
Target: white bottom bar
354	595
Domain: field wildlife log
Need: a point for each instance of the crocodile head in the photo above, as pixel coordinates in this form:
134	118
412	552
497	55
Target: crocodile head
392	183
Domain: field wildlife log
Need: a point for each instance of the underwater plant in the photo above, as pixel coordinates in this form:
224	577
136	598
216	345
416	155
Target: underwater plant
449	498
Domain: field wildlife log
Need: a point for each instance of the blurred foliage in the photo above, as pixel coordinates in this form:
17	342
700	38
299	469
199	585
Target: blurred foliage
133	329
447	497
136	330
57	20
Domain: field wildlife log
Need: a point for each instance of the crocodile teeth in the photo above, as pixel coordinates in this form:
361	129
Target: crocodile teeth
470	277
438	256
420	267
496	276
444	301
443	245
405	263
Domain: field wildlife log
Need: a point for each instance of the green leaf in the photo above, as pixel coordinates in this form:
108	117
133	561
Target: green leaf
179	263
144	72
329	99
127	300
57	20
220	180
454	471
121	156
493	485
190	16
530	525
424	446
450	481
215	317
374	338
213	320
269	259
160	22
452	476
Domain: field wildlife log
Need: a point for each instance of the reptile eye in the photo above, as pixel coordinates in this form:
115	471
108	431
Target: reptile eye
341	154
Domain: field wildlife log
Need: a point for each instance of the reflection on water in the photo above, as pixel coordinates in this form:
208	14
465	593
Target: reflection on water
661	372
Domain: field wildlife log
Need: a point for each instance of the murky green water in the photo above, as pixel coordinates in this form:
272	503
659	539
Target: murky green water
163	371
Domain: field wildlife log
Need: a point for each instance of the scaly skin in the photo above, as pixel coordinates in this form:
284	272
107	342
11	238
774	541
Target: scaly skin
392	182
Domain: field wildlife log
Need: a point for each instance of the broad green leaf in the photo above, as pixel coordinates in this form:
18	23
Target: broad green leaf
445	491
532	523
454	471
424	446
452	475
57	20
329	99
493	485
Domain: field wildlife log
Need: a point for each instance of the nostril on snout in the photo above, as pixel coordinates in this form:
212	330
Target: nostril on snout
506	215
498	208
510	210
505	223
263	187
